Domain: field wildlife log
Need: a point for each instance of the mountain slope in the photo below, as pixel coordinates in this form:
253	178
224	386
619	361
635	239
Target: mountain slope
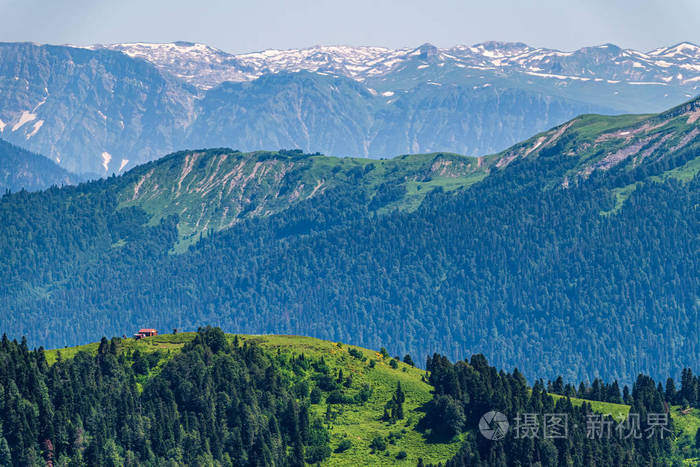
338	116
217	189
21	169
624	143
530	256
90	111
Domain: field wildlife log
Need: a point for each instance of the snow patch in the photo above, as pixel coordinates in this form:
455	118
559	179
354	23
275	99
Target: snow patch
646	82
36	128
388	93
123	164
43	101
106	158
2	125
550	75
26	117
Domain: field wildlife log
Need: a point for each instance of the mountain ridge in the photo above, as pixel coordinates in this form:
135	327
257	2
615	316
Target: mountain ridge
319	58
617	142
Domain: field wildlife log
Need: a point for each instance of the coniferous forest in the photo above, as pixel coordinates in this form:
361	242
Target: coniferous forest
221	400
534	276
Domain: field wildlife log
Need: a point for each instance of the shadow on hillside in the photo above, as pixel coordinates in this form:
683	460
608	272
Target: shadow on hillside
431	435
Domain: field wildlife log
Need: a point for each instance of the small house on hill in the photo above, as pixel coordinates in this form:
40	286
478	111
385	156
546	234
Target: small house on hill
145	333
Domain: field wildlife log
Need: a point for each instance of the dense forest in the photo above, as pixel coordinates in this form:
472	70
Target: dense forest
221	400
212	403
548	431
23	170
561	265
533	277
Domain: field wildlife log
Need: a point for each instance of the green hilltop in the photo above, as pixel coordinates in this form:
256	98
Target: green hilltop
361	423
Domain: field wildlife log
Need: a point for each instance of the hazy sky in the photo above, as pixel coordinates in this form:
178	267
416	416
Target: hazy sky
242	26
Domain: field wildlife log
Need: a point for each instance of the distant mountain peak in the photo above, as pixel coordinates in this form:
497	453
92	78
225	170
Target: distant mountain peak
425	51
682	49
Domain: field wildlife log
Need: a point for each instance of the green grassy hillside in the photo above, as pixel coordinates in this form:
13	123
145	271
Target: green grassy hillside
361	423
212	190
621	143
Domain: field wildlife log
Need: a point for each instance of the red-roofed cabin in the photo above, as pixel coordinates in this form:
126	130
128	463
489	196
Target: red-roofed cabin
145	333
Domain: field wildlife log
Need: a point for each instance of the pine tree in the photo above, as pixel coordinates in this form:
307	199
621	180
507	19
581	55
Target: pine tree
393	410
626	398
558	386
670	393
5	455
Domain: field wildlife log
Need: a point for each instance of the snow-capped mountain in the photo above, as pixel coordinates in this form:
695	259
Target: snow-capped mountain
205	66
198	64
351	62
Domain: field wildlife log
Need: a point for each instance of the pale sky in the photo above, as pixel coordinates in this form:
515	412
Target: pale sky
245	26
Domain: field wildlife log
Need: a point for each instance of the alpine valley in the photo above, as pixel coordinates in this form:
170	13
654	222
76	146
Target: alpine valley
105	109
572	253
